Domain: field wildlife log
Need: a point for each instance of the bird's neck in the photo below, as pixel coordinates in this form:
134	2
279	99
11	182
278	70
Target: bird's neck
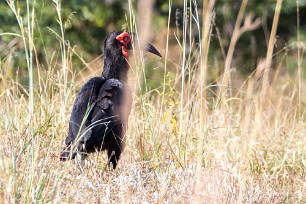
115	69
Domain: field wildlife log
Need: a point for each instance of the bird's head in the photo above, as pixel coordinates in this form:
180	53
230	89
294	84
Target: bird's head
116	47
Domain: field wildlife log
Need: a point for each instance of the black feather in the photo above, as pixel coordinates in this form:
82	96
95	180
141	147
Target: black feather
98	120
99	116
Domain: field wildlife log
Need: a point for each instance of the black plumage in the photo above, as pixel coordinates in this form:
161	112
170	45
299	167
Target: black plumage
99	116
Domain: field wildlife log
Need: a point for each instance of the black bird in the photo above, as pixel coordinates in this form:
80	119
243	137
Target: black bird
99	116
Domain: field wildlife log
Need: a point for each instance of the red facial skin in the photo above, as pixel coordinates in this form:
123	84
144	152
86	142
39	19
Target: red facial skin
125	52
124	38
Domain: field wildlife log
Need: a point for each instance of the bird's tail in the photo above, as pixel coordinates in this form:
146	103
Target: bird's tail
69	153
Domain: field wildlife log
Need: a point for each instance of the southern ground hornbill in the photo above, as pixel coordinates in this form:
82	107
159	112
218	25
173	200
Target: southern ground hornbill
99	116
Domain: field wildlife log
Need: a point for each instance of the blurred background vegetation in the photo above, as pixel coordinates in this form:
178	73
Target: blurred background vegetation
87	23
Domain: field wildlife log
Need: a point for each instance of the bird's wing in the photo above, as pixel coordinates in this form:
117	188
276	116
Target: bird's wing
106	113
82	110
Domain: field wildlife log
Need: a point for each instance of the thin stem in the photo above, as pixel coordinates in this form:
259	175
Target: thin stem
166	57
63	52
205	42
265	84
183	73
299	56
231	49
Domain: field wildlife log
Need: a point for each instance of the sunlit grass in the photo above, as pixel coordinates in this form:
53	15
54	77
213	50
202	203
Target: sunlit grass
185	140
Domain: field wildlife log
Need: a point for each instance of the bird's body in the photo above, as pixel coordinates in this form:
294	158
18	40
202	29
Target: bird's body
99	116
97	120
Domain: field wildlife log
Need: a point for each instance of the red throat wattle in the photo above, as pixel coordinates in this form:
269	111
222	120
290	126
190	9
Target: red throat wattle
125	52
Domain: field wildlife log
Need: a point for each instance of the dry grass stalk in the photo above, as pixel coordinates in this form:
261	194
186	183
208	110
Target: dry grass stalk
266	75
206	31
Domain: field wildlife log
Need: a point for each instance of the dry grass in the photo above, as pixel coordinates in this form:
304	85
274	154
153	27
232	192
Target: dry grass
248	154
262	162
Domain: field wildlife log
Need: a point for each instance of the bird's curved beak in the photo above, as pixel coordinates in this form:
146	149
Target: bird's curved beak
152	49
148	47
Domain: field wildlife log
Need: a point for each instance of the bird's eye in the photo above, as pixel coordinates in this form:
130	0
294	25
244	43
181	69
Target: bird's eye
126	38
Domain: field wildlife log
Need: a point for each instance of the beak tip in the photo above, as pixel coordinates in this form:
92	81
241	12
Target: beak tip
159	55
153	50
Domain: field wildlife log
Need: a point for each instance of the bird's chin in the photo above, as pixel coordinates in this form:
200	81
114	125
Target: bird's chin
125	52
127	63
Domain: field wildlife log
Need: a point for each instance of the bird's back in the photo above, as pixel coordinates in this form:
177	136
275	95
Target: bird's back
82	110
98	117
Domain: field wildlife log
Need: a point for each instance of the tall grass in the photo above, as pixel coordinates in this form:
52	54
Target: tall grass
182	145
207	18
266	74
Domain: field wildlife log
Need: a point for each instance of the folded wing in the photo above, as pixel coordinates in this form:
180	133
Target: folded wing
96	112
